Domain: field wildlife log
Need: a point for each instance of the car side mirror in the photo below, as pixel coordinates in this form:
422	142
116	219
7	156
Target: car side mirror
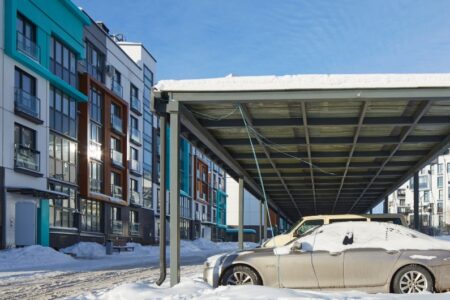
295	234
297	246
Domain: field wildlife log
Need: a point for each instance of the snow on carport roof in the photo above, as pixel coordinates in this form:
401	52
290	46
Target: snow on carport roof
325	143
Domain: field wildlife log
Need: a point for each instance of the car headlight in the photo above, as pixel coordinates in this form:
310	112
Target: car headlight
214	260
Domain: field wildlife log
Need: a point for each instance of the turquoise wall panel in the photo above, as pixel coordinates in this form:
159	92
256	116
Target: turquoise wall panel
43	217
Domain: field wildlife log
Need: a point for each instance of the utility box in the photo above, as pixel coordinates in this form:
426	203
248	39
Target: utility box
25	232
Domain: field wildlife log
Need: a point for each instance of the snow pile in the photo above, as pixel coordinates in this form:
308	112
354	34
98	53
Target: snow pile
444	237
31	257
195	288
87	250
369	235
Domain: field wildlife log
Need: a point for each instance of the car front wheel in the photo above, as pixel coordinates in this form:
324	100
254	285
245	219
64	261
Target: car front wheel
240	275
413	279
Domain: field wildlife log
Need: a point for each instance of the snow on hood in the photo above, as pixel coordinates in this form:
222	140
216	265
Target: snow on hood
350	235
30	257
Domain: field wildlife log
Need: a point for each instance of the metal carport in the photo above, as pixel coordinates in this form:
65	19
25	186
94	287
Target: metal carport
324	143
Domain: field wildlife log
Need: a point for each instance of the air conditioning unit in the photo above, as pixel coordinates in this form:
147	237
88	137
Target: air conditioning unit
110	70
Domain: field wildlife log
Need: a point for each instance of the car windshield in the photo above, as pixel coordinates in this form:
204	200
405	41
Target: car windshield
308	232
294	226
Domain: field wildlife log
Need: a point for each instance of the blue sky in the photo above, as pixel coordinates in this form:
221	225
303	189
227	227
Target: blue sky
204	38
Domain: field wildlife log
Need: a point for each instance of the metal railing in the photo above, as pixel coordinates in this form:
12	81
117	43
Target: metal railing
135	103
27	103
135	166
117	157
27	46
27	158
116	123
95	150
135	197
95	185
116	191
117	88
117	227
135	135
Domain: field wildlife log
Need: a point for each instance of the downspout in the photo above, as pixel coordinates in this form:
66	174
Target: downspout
162	198
3	207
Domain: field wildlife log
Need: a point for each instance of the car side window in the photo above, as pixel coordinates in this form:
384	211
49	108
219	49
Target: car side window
308	225
347	220
348	239
396	221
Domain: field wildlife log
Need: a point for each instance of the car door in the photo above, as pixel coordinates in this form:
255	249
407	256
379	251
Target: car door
328	258
296	270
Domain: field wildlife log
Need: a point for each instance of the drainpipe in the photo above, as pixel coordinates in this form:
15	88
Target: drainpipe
162	198
3	207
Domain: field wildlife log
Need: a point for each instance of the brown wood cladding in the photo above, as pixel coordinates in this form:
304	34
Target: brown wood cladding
86	82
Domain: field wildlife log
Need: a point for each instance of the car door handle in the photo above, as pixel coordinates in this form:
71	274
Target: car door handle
335	253
392	251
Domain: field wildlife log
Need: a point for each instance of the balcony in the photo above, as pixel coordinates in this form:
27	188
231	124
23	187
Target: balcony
135	198
116	191
134	228
135	135
403	210
95	185
28	47
28	106
136	104
117	157
117	227
26	158
135	166
117	88
116	123
95	150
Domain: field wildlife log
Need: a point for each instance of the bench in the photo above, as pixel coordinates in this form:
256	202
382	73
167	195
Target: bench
123	248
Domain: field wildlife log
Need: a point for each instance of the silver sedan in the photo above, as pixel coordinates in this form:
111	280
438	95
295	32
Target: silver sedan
369	256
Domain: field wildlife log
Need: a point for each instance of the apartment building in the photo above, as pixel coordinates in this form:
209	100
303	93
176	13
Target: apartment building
40	43
434	197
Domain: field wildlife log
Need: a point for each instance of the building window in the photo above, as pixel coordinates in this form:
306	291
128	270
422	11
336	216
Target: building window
426	196
116	117
63	159
440	195
62	210
116	185
134	98
135	132
116	220
95	62
185	207
90	215
96	177
63	62
25	100
448	168
63	113
201	180
25	154
185	229
116	84
26	38
440	168
148	82
134	222
116	152
96	106
440	182
147	194
135	196
424	182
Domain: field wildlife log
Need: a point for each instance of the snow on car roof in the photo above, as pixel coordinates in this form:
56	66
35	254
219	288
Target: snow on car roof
307	82
368	235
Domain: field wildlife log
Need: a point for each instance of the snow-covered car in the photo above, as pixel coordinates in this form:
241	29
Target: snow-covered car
368	256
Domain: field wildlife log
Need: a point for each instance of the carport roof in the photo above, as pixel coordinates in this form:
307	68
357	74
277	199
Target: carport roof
325	143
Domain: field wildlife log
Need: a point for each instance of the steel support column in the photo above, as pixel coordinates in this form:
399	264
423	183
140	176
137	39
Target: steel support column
416	201
386	205
260	221
241	215
174	194
266	221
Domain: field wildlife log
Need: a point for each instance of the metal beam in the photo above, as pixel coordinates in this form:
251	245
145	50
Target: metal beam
308	148
346	121
333	154
174	194
423	109
362	115
338	175
249	120
416	201
332	165
331	140
241	215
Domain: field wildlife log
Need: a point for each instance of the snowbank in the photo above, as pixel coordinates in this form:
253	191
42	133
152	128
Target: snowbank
85	250
196	289
31	257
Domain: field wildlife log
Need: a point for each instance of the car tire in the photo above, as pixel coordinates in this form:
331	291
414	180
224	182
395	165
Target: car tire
413	279
240	275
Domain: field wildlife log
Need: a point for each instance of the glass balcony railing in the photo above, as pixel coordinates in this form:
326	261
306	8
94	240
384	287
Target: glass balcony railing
135	135
135	197
116	123
95	185
95	150
117	88
27	103
135	103
27	46
134	228
27	158
135	166
117	157
117	227
116	191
